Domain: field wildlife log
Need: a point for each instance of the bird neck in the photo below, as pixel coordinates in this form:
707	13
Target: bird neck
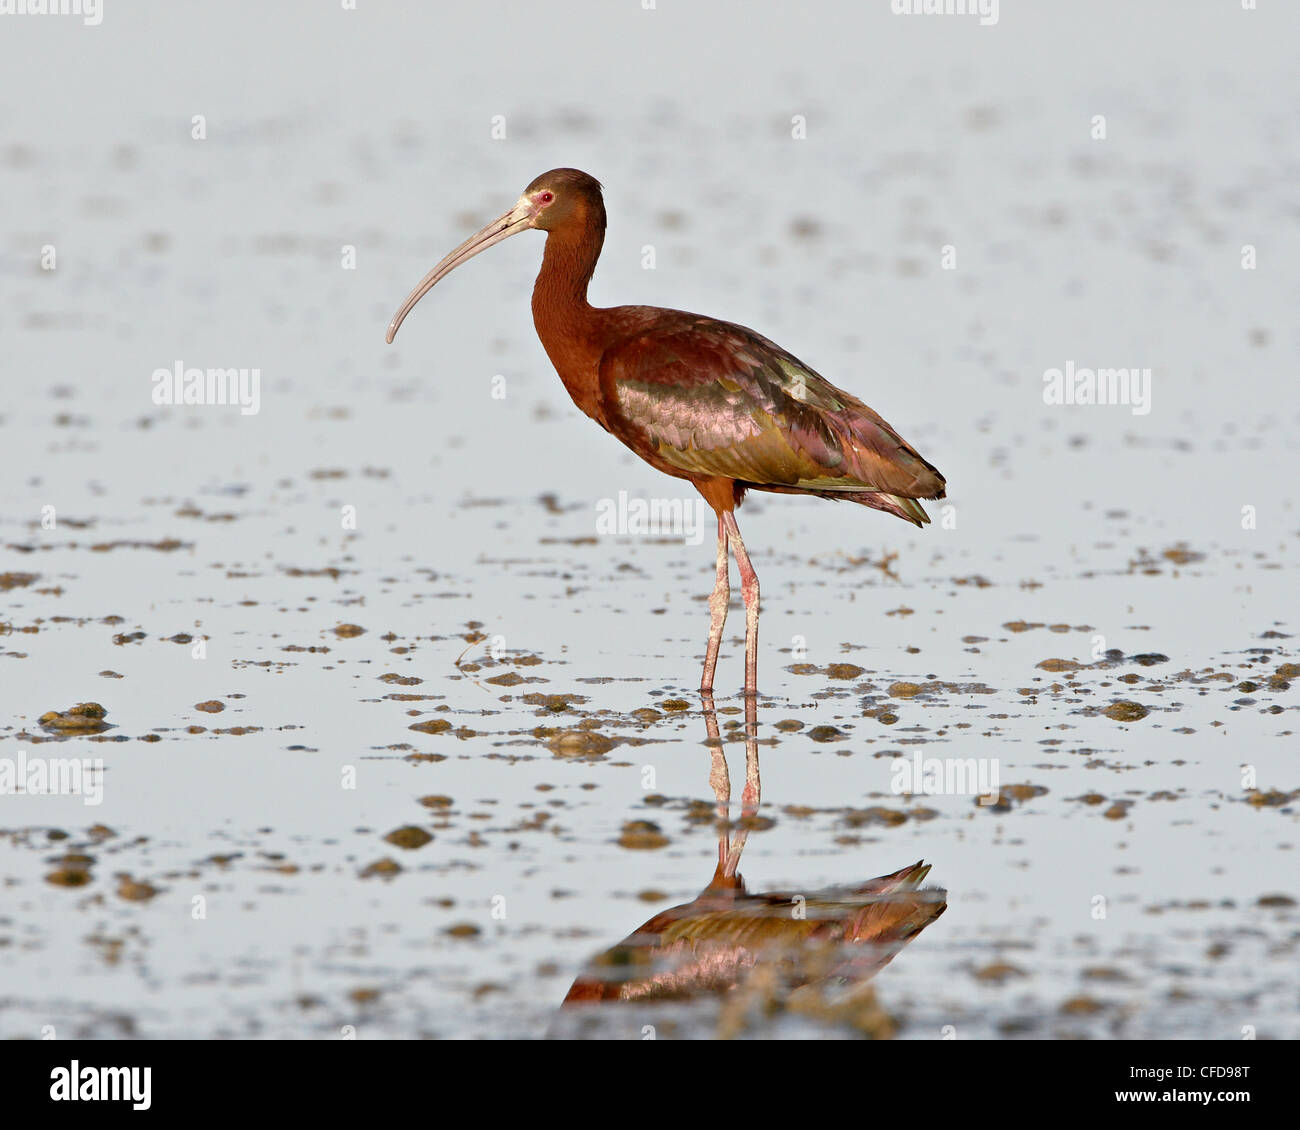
561	313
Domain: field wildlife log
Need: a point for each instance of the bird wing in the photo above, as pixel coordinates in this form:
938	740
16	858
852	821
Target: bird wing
713	398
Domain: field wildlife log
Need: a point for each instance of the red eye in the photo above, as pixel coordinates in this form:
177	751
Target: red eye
546	197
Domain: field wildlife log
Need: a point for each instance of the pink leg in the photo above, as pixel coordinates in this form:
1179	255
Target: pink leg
749	799
719	778
730	847
749	589
717	610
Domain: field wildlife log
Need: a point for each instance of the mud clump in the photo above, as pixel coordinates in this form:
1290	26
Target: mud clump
385	868
844	671
349	631
642	835
1182	554
1273	798
128	888
432	726
212	706
84	718
1126	711
69	877
1010	794
579	743
463	930
554	703
408	837
865	817
71	870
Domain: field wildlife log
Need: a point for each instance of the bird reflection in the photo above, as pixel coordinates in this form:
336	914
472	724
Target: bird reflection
812	951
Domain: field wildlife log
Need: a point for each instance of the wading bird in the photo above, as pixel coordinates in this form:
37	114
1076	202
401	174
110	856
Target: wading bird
832	941
699	399
815	950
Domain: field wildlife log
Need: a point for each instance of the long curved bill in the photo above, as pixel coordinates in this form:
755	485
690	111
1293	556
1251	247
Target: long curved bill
518	219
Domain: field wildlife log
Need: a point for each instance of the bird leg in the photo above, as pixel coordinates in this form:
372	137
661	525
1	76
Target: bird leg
717	610
729	861
749	589
729	847
720	779
750	798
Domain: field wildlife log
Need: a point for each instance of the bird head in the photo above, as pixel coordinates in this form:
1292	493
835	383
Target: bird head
563	195
553	200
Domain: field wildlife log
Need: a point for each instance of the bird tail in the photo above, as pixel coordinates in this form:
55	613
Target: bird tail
899	906
912	510
906	508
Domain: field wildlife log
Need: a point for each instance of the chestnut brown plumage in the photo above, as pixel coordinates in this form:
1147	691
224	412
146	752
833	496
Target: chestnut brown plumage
813	941
840	936
703	400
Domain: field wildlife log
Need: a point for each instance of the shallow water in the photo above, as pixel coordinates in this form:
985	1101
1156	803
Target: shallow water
1138	876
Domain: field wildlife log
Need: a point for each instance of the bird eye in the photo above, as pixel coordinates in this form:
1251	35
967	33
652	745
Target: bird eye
546	197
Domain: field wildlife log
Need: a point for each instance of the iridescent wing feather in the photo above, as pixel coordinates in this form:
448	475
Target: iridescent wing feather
712	398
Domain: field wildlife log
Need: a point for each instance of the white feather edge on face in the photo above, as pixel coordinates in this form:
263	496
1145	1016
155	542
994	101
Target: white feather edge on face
531	205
